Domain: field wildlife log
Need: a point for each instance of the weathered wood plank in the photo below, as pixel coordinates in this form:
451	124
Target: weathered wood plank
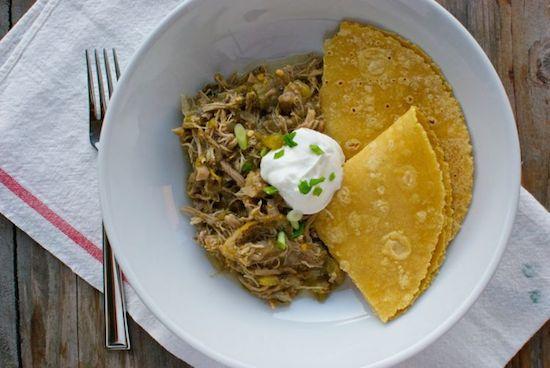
519	48
9	339
24	272
492	25
545	345
145	352
90	333
535	353
91	338
514	362
47	305
148	353
489	22
19	8
4	17
531	45
68	313
458	8
531	79
535	349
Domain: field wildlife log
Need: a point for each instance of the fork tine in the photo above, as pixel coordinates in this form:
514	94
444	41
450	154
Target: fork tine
117	68
91	94
102	103
108	73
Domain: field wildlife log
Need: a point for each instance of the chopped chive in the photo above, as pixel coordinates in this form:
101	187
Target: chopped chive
264	151
270	190
317	191
332	176
314	181
240	134
279	154
288	139
247	166
281	240
297	232
316	149
304	187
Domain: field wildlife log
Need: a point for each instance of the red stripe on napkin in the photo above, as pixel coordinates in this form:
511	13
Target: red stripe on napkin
52	217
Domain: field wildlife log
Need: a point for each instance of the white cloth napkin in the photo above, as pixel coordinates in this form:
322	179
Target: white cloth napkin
48	179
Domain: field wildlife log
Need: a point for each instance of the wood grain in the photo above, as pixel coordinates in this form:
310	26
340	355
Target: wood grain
4	17
61	315
19	8
531	46
47	305
515	35
62	319
49	317
147	354
91	347
9	334
145	351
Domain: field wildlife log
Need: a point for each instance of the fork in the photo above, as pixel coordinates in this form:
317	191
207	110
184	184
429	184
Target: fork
116	325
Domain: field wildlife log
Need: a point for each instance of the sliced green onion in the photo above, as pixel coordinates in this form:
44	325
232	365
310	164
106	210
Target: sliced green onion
247	166
297	232
293	216
317	191
264	151
281	240
332	176
295	224
314	181
240	134
288	139
279	154
304	187
316	149
270	190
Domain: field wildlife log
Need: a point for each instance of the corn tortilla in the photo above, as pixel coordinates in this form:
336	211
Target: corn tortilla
373	77
445	236
385	221
447	230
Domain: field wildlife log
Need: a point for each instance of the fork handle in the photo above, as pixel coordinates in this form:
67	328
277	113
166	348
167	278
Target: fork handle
116	325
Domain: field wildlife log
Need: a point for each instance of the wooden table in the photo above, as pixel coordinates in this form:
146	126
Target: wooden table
51	317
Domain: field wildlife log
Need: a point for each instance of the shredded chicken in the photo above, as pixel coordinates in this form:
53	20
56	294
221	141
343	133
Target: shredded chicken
237	221
233	174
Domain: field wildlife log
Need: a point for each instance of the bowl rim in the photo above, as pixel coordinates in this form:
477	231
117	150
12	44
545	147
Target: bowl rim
460	311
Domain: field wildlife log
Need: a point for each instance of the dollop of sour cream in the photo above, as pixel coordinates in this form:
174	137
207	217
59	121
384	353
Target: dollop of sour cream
307	172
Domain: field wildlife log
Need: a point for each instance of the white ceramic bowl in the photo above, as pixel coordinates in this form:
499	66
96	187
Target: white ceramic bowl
142	175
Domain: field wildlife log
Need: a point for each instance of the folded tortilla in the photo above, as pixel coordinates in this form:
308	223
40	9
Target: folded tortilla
385	222
370	78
